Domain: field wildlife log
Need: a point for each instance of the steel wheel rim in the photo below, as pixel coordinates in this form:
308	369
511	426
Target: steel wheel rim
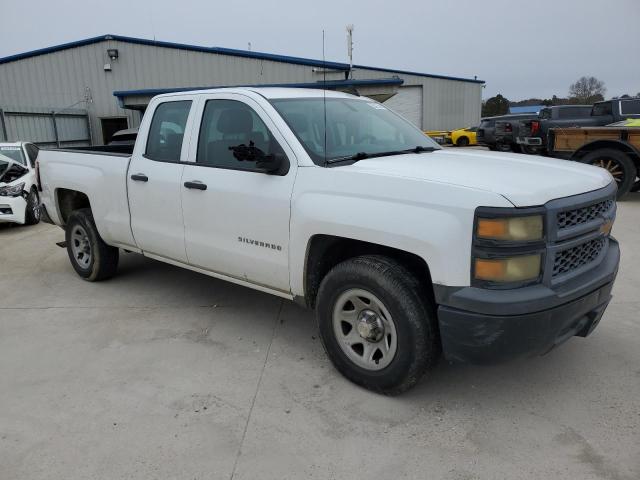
80	246
358	312
612	166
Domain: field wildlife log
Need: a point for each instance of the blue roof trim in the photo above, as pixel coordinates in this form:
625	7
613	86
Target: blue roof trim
419	74
180	46
221	51
329	84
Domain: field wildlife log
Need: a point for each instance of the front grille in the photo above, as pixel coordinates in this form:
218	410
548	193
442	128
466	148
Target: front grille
572	258
578	216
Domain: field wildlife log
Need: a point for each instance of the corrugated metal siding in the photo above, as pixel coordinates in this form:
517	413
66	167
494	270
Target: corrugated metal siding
36	125
447	104
77	77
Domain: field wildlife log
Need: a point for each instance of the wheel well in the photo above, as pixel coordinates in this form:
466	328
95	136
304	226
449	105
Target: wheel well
326	251
69	201
613	144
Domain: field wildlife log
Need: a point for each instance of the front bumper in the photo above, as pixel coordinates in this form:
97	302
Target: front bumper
12	209
484	326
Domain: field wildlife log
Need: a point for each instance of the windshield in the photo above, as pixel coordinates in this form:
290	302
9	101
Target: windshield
13	152
354	127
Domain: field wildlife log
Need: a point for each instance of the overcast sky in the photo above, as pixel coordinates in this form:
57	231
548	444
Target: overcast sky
522	49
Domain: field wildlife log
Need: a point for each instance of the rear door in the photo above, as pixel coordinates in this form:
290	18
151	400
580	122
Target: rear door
154	178
236	217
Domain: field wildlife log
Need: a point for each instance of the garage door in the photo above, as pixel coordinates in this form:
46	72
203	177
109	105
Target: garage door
408	103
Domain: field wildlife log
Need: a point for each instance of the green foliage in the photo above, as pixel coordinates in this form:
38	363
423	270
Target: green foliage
494	106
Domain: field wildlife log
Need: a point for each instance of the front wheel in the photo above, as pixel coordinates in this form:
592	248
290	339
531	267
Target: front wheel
90	257
376	326
32	210
619	165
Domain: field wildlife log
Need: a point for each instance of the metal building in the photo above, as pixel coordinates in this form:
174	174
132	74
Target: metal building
82	92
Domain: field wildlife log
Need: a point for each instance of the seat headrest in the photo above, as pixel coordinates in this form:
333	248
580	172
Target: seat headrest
234	121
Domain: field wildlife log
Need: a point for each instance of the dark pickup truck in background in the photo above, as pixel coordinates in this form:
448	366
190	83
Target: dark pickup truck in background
492	131
532	134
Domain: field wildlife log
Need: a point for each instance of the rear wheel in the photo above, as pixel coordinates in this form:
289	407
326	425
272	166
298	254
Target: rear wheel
90	257
32	213
375	324
503	147
462	142
619	165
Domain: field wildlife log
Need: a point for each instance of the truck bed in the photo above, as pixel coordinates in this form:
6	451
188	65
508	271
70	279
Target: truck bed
571	139
101	176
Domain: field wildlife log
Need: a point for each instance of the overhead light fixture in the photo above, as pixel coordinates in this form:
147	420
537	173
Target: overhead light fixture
113	53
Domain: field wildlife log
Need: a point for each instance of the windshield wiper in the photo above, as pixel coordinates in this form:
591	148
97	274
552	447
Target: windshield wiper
347	158
363	155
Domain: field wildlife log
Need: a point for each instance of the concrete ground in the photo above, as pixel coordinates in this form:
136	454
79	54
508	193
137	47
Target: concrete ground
164	373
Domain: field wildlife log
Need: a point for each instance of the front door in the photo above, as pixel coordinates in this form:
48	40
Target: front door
236	217
154	181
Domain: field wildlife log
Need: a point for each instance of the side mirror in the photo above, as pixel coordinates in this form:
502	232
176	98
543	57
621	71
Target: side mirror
272	163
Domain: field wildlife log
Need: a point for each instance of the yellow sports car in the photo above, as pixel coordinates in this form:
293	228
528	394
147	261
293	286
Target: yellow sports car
464	136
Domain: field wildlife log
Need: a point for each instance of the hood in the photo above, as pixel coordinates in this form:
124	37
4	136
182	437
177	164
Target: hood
524	180
10	170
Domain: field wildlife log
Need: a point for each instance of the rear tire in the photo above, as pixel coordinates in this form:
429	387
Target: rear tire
376	296
619	165
462	142
90	257
32	212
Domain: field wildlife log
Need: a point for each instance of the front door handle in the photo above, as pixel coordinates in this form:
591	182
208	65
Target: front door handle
196	185
139	177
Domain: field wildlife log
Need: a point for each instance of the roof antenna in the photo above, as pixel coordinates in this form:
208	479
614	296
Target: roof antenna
324	98
350	48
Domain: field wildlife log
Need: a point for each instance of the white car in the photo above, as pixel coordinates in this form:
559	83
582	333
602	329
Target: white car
405	249
19	199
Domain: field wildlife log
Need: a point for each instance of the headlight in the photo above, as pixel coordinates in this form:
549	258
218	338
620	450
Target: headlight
515	229
510	269
12	190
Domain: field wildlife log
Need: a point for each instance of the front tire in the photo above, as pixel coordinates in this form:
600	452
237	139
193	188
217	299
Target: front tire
619	165
376	326
32	210
462	142
90	257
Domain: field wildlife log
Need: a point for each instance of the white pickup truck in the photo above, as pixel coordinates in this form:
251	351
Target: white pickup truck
405	250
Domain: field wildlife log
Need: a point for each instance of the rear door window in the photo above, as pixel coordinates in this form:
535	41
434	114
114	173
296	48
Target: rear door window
630	107
600	109
166	132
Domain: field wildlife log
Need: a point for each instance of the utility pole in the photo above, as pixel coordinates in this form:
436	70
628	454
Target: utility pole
350	48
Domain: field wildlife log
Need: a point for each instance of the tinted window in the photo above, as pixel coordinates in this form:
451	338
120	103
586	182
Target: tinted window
630	107
574	112
600	109
167	131
227	125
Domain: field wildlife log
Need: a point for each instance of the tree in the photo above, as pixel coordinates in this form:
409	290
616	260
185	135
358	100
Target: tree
493	106
587	90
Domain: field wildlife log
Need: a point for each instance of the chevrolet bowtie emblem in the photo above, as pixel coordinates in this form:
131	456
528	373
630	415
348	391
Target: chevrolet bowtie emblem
605	228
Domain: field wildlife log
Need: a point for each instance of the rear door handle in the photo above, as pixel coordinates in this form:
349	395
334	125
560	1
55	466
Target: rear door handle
196	185
139	177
